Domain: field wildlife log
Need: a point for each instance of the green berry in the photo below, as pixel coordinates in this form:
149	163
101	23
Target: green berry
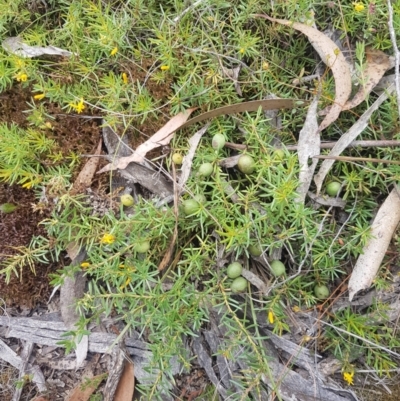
177	158
246	164
239	284
7	208
277	268
279	154
255	250
205	170
321	291
127	200
333	188
200	198
218	141
142	247
234	270
190	206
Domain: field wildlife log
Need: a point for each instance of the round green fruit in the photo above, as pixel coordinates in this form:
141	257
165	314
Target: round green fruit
277	268
333	188
205	170
177	158
321	291
190	206
127	200
239	284
234	270
255	250
142	247
279	154
200	198
246	164
218	141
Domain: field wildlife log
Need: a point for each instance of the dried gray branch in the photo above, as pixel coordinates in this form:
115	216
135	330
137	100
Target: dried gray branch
25	354
396	53
8	355
355	144
50	333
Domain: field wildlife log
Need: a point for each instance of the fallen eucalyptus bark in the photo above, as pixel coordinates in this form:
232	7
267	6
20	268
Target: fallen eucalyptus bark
382	230
8	355
49	332
24	370
281	379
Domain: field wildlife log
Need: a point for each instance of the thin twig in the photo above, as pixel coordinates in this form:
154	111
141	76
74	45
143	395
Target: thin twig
357	159
176	19
354	144
396	53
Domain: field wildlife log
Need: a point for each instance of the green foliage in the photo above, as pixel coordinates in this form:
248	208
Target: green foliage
356	328
137	60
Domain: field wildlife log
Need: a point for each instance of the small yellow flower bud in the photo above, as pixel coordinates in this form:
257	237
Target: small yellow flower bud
39	96
358	6
127	200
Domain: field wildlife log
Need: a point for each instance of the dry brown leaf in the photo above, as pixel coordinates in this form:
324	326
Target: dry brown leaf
377	64
266	104
85	177
16	46
86	388
161	138
332	56
187	161
308	146
126	385
382	230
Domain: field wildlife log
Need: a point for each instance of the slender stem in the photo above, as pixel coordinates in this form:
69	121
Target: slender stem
354	144
396	52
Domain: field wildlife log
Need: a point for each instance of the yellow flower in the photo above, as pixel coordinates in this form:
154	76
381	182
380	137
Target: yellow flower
164	67
85	265
78	107
127	281
271	317
114	51
108	239
241	51
28	185
348	377
39	96
265	66
20	77
358	6
125	78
